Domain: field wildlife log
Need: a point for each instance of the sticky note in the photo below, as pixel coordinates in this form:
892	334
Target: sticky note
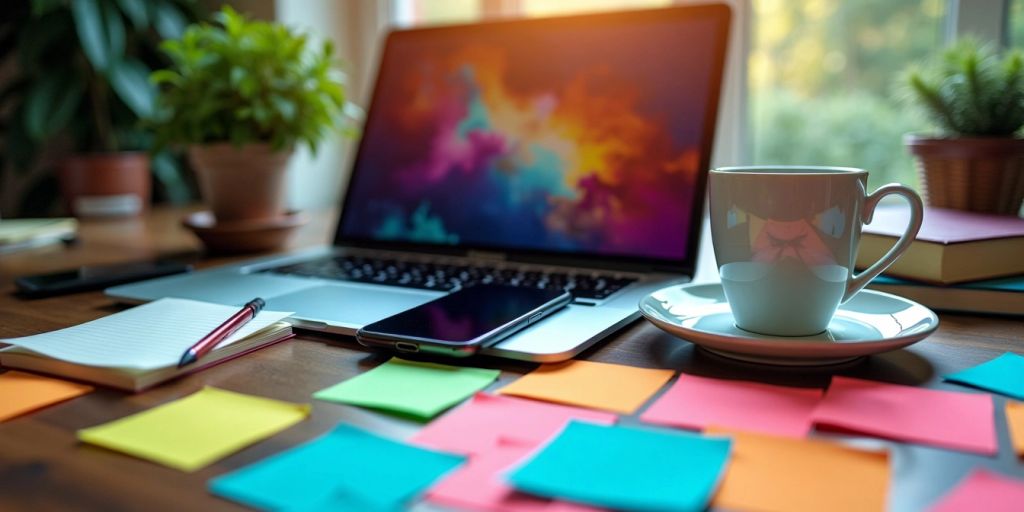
197	430
626	468
480	484
478	425
1003	375
911	414
419	390
21	393
346	469
697	402
610	387
983	490
1015	424
778	473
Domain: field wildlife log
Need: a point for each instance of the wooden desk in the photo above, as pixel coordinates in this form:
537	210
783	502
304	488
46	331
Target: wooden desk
43	467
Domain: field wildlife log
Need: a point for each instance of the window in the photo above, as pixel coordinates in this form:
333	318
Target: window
823	82
1016	24
430	12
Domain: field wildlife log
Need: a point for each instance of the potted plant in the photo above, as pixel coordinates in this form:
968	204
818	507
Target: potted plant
80	90
241	94
976	98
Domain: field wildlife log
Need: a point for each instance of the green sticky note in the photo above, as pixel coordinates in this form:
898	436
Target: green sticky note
346	469
197	430
626	468
420	390
1004	375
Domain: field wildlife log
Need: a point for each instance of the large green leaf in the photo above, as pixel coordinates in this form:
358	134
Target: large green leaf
169	174
50	105
100	30
137	12
130	80
168	20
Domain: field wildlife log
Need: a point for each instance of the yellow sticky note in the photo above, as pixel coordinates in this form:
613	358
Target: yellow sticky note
781	473
611	387
1015	422
197	430
23	392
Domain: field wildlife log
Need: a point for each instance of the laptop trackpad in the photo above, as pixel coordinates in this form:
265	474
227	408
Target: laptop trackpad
349	305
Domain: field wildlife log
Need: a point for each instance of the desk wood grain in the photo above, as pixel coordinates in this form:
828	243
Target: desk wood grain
43	467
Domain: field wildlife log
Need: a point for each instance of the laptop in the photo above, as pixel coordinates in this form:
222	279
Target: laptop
558	152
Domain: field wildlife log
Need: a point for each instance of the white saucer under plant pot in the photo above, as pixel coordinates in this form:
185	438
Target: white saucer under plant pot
975	97
241	100
869	323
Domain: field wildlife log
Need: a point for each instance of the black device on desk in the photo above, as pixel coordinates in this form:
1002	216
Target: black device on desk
95	277
463	321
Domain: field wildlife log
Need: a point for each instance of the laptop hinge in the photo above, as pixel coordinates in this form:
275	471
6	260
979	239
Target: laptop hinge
487	255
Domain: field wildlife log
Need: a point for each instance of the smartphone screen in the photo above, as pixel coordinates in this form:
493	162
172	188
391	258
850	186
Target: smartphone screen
464	316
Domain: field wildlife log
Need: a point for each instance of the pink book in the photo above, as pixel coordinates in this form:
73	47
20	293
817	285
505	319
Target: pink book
944	226
952	247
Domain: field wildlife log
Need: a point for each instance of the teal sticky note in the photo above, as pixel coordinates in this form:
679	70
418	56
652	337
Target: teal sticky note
420	390
1003	375
628	468
346	469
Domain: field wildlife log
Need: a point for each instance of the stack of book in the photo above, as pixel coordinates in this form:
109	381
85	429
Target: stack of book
960	261
20	234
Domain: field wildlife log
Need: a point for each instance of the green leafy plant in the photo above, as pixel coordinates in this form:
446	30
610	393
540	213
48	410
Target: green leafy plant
243	81
79	78
970	90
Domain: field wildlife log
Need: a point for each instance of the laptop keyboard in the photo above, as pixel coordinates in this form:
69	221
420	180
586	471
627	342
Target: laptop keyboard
445	277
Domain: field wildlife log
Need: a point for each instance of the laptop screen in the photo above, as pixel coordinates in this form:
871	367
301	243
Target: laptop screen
587	135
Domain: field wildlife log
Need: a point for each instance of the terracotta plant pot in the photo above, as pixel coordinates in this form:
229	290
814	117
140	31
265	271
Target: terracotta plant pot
241	183
975	174
105	184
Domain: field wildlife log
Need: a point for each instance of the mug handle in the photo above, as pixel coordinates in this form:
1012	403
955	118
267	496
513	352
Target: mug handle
859	281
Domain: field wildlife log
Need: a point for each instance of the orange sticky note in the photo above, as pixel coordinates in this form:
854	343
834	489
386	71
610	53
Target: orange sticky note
24	392
781	473
610	387
1015	422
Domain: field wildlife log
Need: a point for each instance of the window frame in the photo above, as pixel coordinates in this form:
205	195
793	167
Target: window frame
988	20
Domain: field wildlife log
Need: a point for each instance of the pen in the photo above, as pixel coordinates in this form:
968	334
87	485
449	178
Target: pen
237	320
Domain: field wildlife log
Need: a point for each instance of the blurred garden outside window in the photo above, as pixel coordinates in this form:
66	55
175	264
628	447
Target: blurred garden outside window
1015	22
822	78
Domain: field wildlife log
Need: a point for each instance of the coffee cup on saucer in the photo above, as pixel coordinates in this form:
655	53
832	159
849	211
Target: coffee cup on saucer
786	240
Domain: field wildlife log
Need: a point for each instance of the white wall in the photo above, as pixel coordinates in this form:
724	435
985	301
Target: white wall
355	26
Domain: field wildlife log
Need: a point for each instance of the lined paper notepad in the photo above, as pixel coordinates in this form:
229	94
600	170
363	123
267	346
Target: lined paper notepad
140	346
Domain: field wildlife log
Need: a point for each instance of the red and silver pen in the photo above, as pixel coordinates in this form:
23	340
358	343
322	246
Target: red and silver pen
237	320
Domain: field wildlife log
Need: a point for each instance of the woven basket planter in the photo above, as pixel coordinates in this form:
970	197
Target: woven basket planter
974	174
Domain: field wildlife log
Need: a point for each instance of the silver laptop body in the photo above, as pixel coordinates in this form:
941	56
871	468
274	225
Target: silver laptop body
546	152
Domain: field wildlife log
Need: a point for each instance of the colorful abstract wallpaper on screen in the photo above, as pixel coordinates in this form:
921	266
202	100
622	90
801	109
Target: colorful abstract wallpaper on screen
574	140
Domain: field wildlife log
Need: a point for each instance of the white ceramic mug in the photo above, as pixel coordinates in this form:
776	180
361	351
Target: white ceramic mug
786	240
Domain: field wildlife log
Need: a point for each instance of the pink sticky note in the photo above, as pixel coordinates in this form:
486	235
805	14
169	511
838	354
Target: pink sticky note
479	484
477	426
960	421
698	402
983	490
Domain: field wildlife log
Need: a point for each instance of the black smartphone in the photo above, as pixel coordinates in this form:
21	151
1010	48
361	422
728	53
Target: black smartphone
461	322
95	277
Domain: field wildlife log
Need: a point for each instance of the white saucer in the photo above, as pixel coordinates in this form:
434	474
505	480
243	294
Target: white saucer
870	323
